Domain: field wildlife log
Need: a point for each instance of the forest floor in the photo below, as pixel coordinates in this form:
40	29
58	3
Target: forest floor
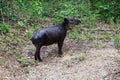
82	60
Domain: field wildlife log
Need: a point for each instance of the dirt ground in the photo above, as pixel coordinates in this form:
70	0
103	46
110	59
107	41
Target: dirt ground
81	61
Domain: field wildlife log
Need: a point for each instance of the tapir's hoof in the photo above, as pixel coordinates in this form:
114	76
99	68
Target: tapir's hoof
40	60
37	61
60	55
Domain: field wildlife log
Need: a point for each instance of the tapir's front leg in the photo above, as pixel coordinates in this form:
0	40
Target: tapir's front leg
37	53
60	44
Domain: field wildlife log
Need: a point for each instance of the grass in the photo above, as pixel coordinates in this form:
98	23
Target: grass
74	60
117	41
11	44
106	37
4	28
7	64
68	63
118	69
89	36
81	57
23	62
27	69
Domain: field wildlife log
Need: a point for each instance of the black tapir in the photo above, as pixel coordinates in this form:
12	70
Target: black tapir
50	35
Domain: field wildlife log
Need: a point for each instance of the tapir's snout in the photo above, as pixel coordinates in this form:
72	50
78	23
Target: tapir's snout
78	21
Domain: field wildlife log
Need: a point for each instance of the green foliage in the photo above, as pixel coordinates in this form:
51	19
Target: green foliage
74	36
88	10
6	11
29	8
107	9
4	28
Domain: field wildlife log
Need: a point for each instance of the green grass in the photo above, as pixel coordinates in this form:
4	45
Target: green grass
105	37
117	41
4	28
23	61
81	57
89	36
6	64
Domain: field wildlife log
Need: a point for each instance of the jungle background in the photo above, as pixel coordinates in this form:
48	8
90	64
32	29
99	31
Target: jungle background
91	49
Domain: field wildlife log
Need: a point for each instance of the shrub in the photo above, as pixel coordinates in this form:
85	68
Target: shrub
107	9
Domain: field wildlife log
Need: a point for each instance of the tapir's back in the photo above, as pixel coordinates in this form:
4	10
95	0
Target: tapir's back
54	34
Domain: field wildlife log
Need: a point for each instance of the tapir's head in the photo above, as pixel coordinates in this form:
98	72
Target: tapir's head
72	21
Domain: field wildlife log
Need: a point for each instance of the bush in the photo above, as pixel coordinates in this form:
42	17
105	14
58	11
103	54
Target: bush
107	9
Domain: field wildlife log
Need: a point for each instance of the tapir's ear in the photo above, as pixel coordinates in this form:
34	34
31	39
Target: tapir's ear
66	20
